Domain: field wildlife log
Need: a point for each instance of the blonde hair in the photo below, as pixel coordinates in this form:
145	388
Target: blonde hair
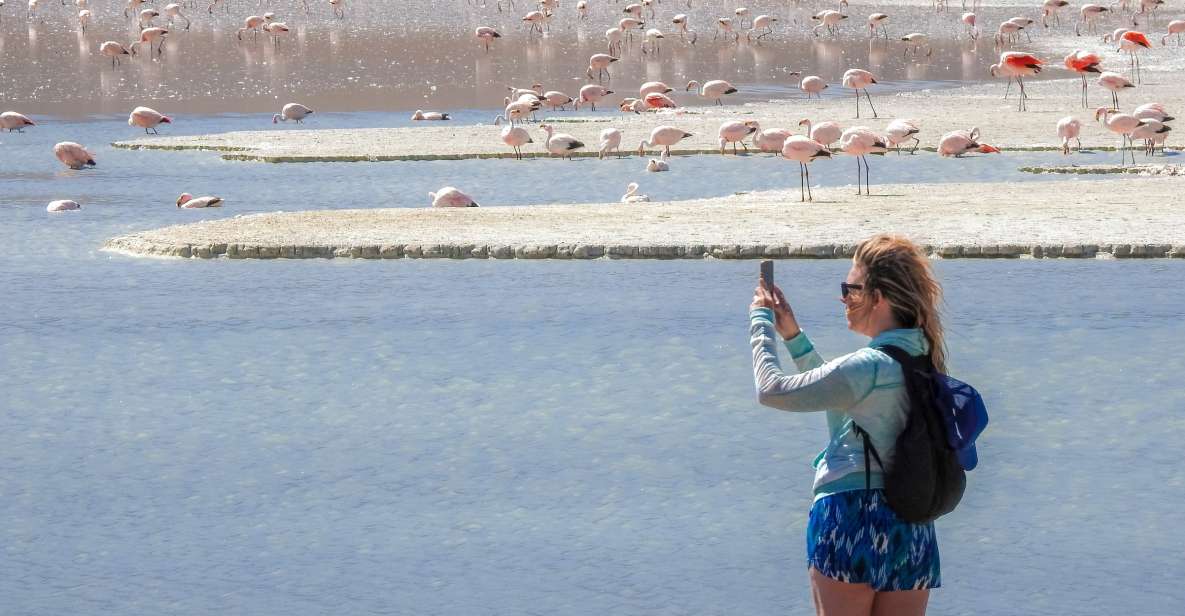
901	272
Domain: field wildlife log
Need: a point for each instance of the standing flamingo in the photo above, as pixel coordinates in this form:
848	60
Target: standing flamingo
714	89
600	62
860	141
150	37
825	133
251	23
1176	26
610	141
664	137
73	155
292	111
859	79
173	11
1089	13
1133	42
804	151
876	21
516	137
12	121
1017	64
591	94
486	35
1114	82
113	50
1068	128
148	119
1121	124
1083	62
561	144
813	84
771	139
735	132
899	131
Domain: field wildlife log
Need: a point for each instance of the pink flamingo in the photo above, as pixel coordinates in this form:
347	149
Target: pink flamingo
451	197
968	20
148	119
771	139
656	100
1152	111
486	35
1017	64
600	62
876	21
900	131
516	137
560	144
1121	124
12	121
152	36
1176	26
734	132
73	155
1133	42
859	79
252	23
813	84
276	29
113	50
610	141
1068	128
860	141
653	86
63	205
189	202
295	112
1089	13
664	137
825	133
714	89
1114	82
1083	62
960	142
804	151
591	94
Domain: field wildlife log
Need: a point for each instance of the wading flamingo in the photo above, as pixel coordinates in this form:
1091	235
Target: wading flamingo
295	112
610	141
825	133
1133	43
631	194
859	79
813	84
1083	63
486	35
804	151
960	142
113	50
663	137
899	131
1114	82
12	121
73	155
1016	65
148	119
860	141
735	132
1068	128
600	62
712	90
590	94
771	139
1121	124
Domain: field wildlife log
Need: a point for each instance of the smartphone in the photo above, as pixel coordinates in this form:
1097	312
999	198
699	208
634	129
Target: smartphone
767	274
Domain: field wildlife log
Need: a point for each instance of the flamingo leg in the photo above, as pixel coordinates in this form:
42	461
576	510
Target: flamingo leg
801	183
1021	105
866	95
809	196
1008	88
857	104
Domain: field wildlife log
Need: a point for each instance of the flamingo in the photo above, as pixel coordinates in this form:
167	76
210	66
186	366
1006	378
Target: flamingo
113	50
610	141
1089	13
714	89
664	137
960	142
1152	111
591	94
876	21
653	87
146	16
276	29
656	100
741	13
189	202
653	37
292	111
561	144
1052	8
859	79
1114	82
860	141
613	37
534	21
631	194
582	9
434	116
73	155
558	100
63	205
600	62
1017	64
12	121
486	35
634	9
804	151
658	165
968	20
148	119
150	37
173	11
724	24
1068	128
829	20
917	40
1133	42
1121	124
900	131
448	196
735	131
1083	62
516	137
764	23
825	133
253	24
680	22
1176	26
771	139
1149	131
84	18
628	25
813	84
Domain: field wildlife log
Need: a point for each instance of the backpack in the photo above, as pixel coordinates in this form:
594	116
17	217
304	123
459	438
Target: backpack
937	446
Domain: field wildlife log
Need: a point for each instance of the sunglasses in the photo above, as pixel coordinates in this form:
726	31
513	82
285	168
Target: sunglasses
846	289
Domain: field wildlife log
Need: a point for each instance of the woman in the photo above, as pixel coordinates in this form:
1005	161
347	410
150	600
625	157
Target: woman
862	558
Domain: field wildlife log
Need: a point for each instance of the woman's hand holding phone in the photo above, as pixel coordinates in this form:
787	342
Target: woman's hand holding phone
773	298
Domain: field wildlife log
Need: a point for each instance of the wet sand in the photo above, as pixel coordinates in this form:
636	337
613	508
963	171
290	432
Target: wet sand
1107	217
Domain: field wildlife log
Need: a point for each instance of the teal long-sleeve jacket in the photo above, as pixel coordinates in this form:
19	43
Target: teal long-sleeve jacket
864	387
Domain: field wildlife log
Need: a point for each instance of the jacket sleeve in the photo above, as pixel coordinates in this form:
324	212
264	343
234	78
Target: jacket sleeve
820	386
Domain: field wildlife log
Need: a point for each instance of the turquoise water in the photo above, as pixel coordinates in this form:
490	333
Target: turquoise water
445	437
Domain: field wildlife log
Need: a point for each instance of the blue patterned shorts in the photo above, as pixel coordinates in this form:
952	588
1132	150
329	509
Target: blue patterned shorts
855	537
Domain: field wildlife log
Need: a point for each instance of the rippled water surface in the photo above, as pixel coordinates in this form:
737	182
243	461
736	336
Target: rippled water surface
473	437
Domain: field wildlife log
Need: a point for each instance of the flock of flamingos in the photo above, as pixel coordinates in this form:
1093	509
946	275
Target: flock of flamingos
1147	123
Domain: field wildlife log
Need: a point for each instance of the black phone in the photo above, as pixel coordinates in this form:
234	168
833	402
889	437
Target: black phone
767	274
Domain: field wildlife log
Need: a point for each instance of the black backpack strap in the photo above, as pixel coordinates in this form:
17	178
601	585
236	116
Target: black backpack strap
867	463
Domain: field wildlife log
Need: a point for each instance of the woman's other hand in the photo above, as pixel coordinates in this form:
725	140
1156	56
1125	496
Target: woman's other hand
784	320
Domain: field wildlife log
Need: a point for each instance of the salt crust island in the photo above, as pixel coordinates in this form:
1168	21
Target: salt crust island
1100	218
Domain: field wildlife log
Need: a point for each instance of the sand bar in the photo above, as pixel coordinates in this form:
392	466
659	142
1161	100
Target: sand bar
1127	217
938	111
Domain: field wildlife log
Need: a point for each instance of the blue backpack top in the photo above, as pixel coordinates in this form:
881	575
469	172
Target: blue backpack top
965	416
